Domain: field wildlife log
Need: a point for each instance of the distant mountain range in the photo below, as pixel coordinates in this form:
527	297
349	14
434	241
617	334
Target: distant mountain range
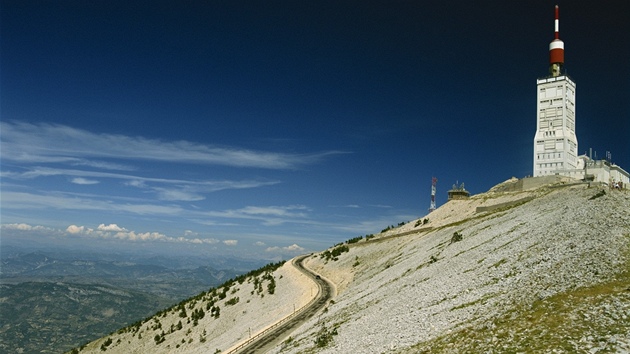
51	301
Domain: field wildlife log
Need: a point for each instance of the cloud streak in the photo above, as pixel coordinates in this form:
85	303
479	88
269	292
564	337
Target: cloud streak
115	232
294	248
60	201
166	189
38	143
84	181
271	215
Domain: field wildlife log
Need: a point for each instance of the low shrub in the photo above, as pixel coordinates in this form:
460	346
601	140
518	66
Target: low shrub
325	337
456	237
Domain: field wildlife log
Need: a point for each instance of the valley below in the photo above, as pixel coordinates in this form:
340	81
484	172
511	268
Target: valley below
51	302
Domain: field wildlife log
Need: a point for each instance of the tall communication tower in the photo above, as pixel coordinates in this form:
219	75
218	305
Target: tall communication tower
555	141
433	185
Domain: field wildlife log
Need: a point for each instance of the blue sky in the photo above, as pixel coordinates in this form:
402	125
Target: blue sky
268	129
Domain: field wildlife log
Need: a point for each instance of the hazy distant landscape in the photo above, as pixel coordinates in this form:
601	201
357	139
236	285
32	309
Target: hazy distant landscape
52	300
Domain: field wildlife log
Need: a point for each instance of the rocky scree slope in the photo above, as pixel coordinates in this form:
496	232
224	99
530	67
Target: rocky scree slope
544	270
548	271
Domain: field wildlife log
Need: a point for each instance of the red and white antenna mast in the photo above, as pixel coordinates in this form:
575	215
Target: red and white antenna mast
433	188
556	49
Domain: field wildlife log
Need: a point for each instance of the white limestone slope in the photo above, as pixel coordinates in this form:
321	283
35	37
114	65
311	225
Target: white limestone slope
249	316
399	292
413	285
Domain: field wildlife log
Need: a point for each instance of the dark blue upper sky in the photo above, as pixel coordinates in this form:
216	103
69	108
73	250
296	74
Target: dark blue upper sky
274	127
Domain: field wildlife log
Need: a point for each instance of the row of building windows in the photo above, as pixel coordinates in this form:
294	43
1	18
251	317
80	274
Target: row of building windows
550	102
551	164
548	156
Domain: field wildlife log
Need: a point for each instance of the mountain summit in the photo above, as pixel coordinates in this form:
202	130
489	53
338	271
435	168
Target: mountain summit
535	265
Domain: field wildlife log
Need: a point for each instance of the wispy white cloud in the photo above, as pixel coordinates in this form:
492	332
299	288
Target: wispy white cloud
38	143
136	183
102	165
178	194
166	189
381	206
84	181
294	248
258	211
25	227
357	206
111	227
115	232
22	200
271	215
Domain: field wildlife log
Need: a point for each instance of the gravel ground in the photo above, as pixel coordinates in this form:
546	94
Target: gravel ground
399	292
545	272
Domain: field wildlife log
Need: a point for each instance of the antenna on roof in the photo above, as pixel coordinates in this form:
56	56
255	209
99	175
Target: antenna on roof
556	49
433	188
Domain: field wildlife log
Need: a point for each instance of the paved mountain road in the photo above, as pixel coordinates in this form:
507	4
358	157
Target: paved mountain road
268	339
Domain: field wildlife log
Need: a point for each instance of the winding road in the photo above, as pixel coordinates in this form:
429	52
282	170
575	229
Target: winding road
269	338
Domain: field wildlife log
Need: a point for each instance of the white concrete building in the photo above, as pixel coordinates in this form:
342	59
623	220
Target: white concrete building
604	171
555	142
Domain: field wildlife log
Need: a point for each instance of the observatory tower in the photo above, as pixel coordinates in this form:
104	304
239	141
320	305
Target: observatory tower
555	142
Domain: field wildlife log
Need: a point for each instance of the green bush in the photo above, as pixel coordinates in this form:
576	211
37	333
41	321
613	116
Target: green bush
335	253
600	194
159	338
232	301
106	344
325	337
354	239
197	315
215	312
